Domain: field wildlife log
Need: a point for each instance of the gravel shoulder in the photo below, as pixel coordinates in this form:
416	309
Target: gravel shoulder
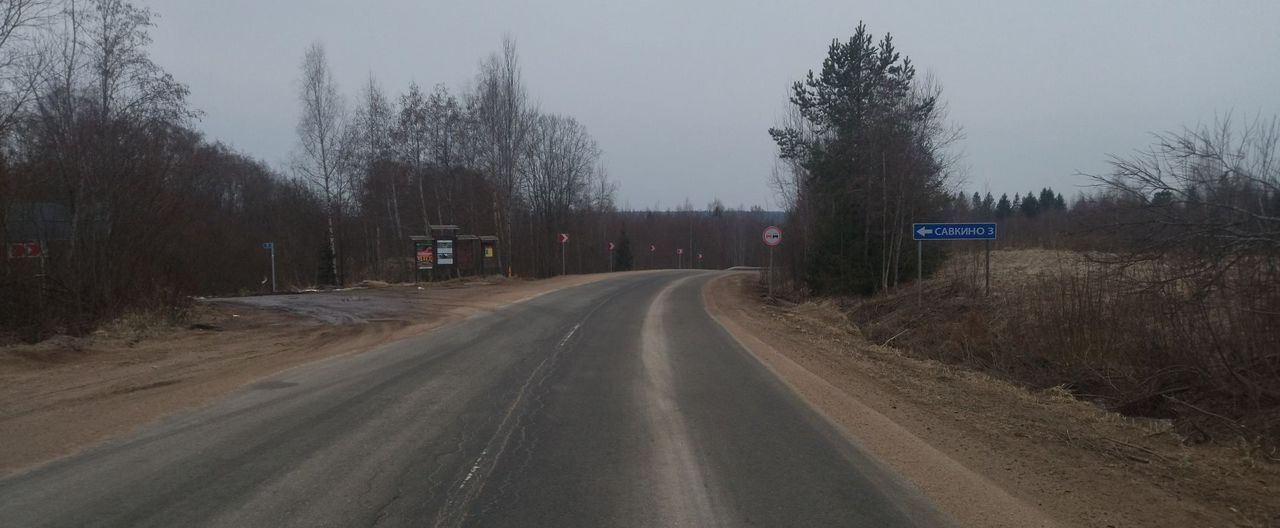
65	394
985	451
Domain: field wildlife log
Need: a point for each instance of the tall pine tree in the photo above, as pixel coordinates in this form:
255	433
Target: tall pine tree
868	138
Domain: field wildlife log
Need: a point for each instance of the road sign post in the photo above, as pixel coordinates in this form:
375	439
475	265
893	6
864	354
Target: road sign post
611	257
919	272
772	236
985	231
679	258
271	246
987	243
563	238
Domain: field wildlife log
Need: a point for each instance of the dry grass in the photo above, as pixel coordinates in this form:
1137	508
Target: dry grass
156	320
1207	360
1047	444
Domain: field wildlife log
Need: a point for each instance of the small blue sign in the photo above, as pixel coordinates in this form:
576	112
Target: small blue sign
268	245
984	231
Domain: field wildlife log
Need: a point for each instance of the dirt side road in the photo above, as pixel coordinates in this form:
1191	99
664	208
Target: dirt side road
62	395
986	452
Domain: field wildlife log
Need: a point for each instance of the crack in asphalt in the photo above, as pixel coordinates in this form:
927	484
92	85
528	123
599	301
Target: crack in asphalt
513	425
454	511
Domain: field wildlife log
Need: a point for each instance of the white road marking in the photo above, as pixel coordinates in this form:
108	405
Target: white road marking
568	335
474	468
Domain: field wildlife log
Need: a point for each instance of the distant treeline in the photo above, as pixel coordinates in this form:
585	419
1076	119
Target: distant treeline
131	208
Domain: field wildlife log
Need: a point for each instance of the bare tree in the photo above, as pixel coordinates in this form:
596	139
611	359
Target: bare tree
128	82
413	138
444	128
368	150
320	131
558	168
504	116
22	64
1206	198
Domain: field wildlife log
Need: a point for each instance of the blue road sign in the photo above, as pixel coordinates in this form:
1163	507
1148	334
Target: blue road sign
984	231
268	245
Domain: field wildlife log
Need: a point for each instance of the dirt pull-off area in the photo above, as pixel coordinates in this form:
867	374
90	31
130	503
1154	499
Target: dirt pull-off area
985	451
64	394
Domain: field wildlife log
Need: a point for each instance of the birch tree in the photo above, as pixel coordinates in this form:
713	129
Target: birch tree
503	116
413	140
320	131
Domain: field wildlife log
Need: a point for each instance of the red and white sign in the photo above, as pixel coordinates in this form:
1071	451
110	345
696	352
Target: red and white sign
25	250
699	256
679	251
611	246
772	236
562	238
652	248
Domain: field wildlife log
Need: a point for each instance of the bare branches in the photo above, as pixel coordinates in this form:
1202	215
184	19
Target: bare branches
558	168
23	24
1210	194
320	133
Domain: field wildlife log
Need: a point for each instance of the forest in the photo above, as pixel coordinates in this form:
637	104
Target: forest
114	201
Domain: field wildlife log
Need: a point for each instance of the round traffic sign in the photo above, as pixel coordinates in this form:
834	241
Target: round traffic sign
679	251
772	236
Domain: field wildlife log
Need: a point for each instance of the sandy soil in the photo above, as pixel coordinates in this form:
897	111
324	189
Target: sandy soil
985	451
64	394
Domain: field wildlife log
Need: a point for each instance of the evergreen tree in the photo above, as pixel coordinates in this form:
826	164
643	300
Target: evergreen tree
1061	203
1048	199
960	206
1030	206
325	274
988	207
877	149
1003	208
1162	198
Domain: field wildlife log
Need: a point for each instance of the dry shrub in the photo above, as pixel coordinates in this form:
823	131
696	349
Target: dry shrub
1138	339
141	323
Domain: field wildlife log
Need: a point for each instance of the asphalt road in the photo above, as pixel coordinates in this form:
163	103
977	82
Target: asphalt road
617	403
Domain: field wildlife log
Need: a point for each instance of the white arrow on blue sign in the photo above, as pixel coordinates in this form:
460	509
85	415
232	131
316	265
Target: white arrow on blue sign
982	231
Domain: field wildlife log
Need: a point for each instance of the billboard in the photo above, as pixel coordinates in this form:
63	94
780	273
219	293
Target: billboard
425	252
444	252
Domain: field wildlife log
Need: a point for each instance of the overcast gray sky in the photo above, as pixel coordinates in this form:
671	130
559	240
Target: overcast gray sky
680	93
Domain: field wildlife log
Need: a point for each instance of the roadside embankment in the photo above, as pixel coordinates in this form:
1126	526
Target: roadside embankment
988	451
64	394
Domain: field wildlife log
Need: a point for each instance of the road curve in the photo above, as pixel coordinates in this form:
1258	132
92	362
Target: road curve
617	403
